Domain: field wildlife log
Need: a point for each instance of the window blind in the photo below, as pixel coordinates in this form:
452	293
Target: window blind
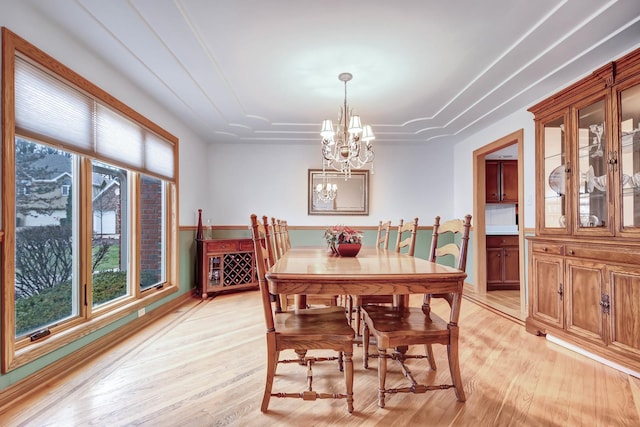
51	109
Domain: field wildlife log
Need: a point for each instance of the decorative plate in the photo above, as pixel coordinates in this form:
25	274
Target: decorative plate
556	180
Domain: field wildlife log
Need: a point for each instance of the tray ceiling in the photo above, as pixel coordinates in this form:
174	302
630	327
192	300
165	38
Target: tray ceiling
424	71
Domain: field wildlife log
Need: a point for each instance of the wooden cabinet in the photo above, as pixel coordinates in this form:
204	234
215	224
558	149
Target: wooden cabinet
546	289
225	265
583	299
501	181
587	293
503	269
584	279
624	327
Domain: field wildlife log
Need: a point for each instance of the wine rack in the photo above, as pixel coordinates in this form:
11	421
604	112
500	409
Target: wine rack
225	265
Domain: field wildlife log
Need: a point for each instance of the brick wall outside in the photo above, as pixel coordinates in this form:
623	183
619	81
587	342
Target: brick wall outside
151	224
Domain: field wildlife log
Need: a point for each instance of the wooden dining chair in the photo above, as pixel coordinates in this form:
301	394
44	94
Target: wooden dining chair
382	238
283	244
382	242
405	242
398	327
284	230
277	237
272	256
300	330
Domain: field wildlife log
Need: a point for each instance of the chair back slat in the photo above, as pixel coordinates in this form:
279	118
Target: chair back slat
451	249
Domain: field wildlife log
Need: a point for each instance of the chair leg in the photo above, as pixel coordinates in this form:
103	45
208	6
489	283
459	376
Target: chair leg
382	375
348	378
428	350
454	364
365	346
272	363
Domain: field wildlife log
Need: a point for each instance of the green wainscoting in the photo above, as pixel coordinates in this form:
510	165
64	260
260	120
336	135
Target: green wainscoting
314	236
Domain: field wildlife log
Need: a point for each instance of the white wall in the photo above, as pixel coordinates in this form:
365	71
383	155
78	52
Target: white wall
408	181
18	17
463	170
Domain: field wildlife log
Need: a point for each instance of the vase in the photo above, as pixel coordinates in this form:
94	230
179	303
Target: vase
348	249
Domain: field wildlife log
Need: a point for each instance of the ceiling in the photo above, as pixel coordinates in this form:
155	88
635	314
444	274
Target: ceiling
423	71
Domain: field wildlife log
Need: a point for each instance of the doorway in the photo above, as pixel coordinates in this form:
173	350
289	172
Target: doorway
511	303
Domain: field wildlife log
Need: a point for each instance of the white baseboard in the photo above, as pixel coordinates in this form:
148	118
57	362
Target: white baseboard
590	355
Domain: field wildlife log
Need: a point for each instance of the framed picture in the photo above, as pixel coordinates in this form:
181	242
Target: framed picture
351	198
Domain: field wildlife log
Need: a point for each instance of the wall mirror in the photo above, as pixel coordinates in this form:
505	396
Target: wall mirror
352	196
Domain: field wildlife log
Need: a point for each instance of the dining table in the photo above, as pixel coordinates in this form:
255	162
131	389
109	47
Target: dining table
374	271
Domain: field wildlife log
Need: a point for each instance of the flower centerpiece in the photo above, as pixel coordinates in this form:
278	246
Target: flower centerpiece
343	240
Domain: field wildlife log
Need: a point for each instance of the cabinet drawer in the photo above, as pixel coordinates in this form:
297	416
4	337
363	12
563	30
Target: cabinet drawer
500	241
246	245
547	248
222	245
606	255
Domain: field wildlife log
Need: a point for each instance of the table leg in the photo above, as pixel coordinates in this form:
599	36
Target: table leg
401	300
300	300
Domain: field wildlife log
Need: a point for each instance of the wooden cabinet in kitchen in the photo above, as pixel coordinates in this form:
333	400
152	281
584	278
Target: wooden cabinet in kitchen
503	269
501	181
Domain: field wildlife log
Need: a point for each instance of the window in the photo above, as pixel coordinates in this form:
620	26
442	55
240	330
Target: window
110	246
46	286
152	227
92	189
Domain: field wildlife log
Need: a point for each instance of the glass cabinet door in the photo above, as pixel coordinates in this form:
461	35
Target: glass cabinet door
629	158
554	158
592	201
215	271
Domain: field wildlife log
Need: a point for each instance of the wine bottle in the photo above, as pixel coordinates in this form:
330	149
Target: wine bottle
199	232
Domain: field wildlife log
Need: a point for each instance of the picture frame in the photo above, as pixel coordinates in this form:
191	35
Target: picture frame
352	196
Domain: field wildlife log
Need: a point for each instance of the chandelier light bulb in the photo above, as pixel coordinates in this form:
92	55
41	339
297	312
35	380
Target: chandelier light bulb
326	192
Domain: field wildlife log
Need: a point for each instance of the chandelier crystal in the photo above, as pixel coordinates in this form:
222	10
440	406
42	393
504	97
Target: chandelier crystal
349	147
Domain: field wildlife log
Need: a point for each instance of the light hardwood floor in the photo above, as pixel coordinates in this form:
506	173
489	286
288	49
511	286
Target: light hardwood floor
204	365
505	303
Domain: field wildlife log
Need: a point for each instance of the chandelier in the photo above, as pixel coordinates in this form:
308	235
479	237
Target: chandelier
349	147
325	191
